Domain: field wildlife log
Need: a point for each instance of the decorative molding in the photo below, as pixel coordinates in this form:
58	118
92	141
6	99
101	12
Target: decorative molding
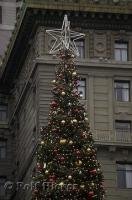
100	44
108	6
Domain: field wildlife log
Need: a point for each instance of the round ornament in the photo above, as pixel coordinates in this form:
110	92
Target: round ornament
42	142
88	150
90	194
70	142
74	73
74	120
53	103
46	172
94	171
79	163
61	184
69	104
92	184
62	158
98	170
63	141
78	152
82	186
63	121
63	93
69	177
54	81
52	178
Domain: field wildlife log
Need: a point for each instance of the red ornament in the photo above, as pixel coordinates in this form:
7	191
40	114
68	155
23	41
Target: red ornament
94	171
35	192
54	129
52	178
62	159
55	151
54	104
78	154
84	135
91	194
39	166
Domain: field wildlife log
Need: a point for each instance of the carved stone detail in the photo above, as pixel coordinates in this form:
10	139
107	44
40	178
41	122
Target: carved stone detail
100	44
91	44
108	35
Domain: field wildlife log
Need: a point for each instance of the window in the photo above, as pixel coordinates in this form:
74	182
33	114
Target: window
3	146
121	51
82	88
3	112
123	130
122	90
2	183
124	175
80	46
0	15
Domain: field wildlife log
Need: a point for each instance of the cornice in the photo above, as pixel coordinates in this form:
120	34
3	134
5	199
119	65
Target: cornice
82	5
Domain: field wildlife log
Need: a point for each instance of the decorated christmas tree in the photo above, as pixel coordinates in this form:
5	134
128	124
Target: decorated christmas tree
67	166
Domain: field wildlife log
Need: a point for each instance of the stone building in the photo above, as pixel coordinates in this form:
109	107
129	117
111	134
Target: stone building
8	12
105	67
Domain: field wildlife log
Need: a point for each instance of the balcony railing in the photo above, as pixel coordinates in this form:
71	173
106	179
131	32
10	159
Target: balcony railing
109	136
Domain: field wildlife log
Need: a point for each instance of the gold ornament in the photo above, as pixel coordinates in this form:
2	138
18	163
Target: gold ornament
79	162
98	170
70	142
89	150
69	177
74	120
63	93
74	73
46	172
82	186
54	81
86	119
61	184
62	141
63	121
92	184
42	142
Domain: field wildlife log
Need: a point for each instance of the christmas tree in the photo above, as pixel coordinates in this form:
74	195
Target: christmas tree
67	166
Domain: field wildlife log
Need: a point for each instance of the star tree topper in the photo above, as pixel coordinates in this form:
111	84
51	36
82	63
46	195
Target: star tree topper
64	38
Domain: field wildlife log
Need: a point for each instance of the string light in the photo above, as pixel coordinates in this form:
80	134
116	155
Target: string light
66	153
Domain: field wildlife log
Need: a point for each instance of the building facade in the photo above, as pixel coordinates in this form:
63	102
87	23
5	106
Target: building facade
8	13
104	65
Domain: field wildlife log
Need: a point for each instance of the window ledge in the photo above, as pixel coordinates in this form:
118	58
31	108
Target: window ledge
3	124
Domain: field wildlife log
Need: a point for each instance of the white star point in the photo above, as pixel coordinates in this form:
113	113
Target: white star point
64	38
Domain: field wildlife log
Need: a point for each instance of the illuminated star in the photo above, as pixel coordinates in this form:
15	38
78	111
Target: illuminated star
65	38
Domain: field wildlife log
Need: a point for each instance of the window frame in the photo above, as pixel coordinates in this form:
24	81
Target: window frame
0	14
82	47
123	121
121	42
84	87
122	89
124	165
123	134
3	119
4	146
2	185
